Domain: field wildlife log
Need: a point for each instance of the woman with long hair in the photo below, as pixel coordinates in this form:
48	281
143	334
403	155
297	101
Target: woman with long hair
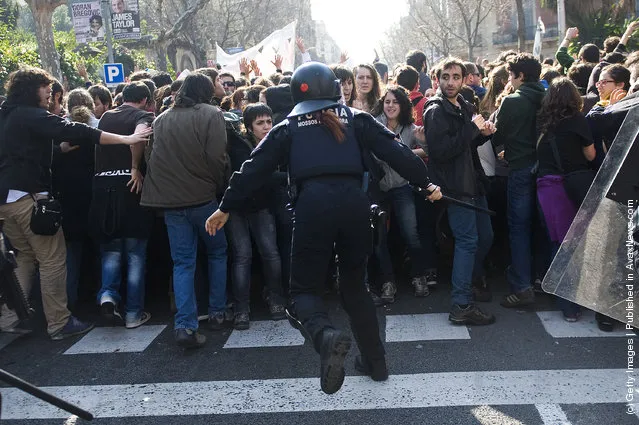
395	112
564	148
186	170
368	87
347	80
256	222
497	80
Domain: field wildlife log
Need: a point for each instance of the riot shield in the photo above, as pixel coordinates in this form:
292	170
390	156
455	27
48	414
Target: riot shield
595	266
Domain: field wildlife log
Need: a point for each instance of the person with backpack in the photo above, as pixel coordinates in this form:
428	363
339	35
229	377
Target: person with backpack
186	170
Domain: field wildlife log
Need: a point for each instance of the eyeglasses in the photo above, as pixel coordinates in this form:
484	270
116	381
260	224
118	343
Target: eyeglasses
602	82
228	84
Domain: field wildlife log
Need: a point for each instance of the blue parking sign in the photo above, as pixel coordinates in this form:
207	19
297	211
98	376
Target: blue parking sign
113	74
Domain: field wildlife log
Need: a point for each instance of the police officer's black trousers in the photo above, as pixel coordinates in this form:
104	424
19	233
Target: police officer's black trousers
333	212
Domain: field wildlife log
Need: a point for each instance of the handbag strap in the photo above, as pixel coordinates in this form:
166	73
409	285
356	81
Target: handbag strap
555	151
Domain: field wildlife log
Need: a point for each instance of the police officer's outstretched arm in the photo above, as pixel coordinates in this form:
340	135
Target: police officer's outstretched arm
254	173
385	146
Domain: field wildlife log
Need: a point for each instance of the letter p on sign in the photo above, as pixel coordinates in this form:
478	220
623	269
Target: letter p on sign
113	74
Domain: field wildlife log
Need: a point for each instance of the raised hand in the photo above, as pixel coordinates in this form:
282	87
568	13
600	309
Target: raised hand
571	33
278	61
255	68
300	44
343	57
245	68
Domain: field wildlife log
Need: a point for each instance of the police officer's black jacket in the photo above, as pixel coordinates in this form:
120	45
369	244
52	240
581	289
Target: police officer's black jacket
27	134
452	139
275	150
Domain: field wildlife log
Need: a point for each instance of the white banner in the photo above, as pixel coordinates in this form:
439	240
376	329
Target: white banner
280	42
541	30
87	21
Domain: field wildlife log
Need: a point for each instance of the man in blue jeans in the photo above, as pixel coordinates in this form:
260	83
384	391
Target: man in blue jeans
118	221
516	130
187	167
453	134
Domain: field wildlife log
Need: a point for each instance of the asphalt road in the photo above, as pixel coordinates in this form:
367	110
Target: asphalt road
513	372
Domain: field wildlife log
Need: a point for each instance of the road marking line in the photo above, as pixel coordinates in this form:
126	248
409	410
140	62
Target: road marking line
551	414
116	340
586	327
72	420
422	327
580	386
267	333
487	415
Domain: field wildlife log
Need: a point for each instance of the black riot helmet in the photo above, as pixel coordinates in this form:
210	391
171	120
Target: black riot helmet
314	87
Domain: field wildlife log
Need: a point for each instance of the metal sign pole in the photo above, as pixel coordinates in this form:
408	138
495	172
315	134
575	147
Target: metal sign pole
106	12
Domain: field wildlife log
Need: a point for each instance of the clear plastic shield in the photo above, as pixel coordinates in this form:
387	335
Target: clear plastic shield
596	264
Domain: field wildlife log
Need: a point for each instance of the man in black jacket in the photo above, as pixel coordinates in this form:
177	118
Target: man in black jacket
27	131
453	134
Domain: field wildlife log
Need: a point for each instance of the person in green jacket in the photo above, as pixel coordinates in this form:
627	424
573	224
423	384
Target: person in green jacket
516	130
588	53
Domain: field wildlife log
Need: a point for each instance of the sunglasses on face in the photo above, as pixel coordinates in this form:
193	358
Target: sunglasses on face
228	84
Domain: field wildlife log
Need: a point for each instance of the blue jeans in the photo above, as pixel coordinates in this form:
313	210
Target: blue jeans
404	207
135	252
185	228
473	234
522	197
261	225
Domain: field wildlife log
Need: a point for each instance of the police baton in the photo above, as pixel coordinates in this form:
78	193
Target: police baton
455	201
42	395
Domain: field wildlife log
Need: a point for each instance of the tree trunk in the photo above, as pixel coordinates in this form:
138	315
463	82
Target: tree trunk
42	11
160	50
521	26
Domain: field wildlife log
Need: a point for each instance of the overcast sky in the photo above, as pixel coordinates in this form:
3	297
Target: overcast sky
357	25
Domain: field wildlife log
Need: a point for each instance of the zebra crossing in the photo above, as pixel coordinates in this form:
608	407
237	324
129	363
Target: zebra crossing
552	392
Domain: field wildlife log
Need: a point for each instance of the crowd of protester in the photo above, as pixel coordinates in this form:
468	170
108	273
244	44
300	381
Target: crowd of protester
522	137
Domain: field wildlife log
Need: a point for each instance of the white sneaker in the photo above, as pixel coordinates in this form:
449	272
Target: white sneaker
138	321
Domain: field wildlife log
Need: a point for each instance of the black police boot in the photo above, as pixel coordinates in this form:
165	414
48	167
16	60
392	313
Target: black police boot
376	369
334	347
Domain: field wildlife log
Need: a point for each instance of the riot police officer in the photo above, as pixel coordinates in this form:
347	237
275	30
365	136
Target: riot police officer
323	144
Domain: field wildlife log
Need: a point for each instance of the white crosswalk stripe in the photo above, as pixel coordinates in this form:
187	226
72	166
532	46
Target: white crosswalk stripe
551	414
491	388
116	340
266	334
422	327
586	327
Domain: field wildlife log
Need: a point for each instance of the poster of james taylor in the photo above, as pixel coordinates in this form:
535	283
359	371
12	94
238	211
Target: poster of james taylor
125	19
